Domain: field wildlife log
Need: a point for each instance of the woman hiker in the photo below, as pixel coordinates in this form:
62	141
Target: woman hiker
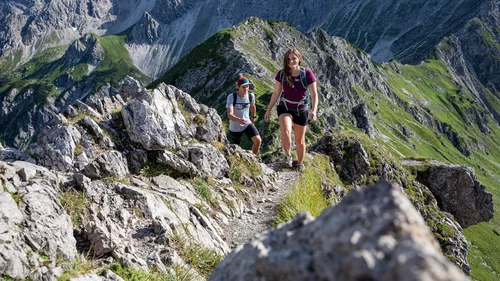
296	93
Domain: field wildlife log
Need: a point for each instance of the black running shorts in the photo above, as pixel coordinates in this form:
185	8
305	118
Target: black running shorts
298	117
251	131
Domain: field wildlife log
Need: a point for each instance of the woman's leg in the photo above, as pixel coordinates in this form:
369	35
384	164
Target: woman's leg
300	141
286	132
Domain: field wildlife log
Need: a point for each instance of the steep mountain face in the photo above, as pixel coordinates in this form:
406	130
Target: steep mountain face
56	78
117	143
405	30
144	179
473	55
348	79
27	27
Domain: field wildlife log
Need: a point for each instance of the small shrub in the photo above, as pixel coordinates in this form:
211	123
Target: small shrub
201	208
154	169
132	274
79	149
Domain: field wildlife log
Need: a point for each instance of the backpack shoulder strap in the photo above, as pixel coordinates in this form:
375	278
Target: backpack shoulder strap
303	79
250	97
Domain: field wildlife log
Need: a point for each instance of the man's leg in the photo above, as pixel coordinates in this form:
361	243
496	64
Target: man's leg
253	134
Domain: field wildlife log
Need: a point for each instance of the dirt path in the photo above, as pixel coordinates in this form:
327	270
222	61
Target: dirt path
258	218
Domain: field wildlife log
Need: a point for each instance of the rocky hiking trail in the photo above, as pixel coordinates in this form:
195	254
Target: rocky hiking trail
258	217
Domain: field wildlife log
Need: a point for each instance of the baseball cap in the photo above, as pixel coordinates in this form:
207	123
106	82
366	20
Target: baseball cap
242	81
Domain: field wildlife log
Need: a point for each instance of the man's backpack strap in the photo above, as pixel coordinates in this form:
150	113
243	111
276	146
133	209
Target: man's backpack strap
250	97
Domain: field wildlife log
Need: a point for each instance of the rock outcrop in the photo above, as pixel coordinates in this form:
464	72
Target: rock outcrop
156	121
458	192
135	201
372	234
358	165
34	225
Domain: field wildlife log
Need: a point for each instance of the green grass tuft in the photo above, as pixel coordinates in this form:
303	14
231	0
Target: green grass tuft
75	204
306	195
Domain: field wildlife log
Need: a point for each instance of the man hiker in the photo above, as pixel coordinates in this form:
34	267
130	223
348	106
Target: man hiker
242	112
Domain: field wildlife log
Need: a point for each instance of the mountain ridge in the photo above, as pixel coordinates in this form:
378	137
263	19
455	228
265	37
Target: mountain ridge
108	17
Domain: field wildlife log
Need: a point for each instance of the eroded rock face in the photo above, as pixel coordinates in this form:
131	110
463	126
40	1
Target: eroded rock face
108	164
460	193
56	145
373	234
349	157
155	121
33	224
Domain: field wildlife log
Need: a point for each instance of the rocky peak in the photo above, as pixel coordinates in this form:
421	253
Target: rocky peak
145	31
87	48
374	27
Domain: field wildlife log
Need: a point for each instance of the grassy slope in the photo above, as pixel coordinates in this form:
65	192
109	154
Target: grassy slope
39	73
431	82
47	65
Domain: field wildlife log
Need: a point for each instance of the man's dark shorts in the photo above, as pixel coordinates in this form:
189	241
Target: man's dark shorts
298	117
251	131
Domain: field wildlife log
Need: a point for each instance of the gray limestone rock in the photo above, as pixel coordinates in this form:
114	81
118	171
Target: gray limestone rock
12	154
108	164
155	121
48	227
178	163
56	146
349	157
373	234
361	113
13	260
208	160
103	140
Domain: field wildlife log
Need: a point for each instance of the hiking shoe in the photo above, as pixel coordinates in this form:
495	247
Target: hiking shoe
298	166
289	161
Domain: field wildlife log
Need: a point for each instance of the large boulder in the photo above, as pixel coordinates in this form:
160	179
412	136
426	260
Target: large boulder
374	233
458	192
168	118
348	155
155	121
208	160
